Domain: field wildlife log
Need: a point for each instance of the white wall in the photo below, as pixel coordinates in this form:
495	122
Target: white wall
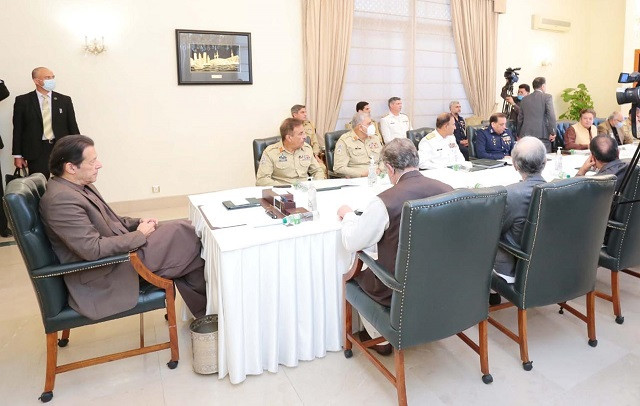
592	52
148	130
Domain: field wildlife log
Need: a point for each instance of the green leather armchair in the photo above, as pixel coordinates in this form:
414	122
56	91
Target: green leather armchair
558	256
419	133
621	250
441	280
330	140
21	203
259	145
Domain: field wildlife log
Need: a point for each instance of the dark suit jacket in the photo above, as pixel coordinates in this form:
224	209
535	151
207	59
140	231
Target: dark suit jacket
80	230
4	93
515	217
27	122
536	116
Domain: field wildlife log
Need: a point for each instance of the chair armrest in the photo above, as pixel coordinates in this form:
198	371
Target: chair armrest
355	269
616	224
513	250
147	275
63	269
384	276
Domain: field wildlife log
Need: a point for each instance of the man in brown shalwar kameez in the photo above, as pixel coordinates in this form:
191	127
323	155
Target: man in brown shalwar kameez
82	227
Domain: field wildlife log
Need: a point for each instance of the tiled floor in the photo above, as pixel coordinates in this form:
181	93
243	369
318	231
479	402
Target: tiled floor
566	370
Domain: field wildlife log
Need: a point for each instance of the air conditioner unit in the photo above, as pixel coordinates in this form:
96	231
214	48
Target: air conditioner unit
549	24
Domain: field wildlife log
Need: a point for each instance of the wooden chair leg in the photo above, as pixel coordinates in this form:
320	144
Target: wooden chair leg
483	351
522	340
401	387
141	330
591	318
348	325
615	297
52	362
173	329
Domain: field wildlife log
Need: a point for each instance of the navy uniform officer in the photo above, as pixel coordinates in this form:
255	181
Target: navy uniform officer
494	141
290	160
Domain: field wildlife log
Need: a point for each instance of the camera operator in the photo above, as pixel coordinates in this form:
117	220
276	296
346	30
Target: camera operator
523	90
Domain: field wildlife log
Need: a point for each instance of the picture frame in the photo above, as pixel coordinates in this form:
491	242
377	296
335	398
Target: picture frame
213	57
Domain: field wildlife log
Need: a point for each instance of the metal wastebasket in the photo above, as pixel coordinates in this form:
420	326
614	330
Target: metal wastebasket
204	344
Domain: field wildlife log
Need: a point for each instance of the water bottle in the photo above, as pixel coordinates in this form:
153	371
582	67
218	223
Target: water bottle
371	178
297	218
312	202
558	163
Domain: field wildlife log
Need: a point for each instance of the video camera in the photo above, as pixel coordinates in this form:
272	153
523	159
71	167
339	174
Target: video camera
511	75
629	94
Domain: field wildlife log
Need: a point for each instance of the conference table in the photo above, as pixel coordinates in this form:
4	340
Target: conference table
277	289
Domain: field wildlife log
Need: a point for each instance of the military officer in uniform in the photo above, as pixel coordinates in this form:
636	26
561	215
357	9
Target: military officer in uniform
354	149
494	141
439	149
395	124
363	107
290	160
461	128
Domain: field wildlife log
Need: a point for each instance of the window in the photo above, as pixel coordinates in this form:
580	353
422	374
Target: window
402	48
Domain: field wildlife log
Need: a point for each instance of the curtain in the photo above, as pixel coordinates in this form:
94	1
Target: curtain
326	26
475	28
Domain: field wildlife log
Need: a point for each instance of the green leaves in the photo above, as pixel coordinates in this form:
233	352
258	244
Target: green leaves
578	99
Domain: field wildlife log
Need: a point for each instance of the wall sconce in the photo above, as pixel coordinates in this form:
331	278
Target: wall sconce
546	62
94	47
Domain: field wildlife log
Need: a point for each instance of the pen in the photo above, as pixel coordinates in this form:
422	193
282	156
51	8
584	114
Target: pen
235	225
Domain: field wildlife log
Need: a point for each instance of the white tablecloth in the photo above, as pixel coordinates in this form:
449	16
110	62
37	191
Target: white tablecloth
277	290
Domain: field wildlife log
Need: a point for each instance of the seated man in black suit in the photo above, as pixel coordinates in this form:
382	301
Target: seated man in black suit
39	119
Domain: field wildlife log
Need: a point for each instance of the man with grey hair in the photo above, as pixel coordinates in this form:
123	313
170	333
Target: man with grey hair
529	157
355	148
395	124
614	127
380	220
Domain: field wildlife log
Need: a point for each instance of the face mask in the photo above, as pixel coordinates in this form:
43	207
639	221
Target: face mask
49	84
619	124
520	97
371	130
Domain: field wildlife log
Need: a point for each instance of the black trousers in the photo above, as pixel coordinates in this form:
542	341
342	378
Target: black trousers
41	165
3	217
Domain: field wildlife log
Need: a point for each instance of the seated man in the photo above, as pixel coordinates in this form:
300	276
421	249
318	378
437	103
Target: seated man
395	124
439	149
82	227
461	128
354	149
363	107
614	127
300	112
529	158
494	141
579	134
290	160
380	220
604	159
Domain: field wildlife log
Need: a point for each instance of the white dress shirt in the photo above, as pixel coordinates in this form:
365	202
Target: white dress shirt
394	127
361	232
436	151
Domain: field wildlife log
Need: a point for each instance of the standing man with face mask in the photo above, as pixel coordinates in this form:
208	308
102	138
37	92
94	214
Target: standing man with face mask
40	118
523	90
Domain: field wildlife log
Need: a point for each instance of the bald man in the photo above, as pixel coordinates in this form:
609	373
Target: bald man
40	118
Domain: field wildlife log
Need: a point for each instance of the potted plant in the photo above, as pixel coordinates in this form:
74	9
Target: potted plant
578	99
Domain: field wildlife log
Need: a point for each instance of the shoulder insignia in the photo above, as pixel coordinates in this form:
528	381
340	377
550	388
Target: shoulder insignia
430	136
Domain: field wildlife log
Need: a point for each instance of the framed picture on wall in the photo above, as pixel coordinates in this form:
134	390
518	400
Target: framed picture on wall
213	57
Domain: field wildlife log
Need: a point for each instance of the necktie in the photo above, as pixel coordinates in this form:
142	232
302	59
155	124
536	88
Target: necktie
46	118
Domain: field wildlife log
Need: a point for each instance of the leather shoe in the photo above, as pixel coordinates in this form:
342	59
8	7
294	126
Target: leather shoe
5	233
382	349
494	299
